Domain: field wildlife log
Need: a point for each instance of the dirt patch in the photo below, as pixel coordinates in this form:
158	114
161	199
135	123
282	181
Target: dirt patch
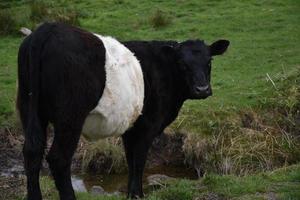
12	182
12	187
10	149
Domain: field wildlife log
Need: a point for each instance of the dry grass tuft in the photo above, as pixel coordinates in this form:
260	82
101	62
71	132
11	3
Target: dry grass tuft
8	23
105	156
39	10
44	11
241	151
159	19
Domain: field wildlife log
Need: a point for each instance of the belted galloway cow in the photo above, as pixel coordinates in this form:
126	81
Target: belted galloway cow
89	84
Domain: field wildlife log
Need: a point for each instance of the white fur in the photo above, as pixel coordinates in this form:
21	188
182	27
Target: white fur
122	99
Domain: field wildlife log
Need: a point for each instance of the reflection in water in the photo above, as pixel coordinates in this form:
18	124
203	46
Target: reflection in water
118	182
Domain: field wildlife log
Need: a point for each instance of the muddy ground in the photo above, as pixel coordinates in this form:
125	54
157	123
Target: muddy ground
12	180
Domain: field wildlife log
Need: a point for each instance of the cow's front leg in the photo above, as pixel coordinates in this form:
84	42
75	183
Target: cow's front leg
128	146
136	147
139	159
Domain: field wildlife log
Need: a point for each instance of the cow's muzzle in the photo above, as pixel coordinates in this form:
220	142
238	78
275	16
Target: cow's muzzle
202	92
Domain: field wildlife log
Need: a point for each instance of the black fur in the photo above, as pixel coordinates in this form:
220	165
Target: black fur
62	77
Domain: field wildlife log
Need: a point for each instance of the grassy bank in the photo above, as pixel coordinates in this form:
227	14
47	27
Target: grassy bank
280	184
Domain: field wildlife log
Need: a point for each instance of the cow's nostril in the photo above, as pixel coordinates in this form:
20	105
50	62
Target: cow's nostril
202	88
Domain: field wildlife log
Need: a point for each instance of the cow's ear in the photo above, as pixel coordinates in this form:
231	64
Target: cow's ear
218	47
168	50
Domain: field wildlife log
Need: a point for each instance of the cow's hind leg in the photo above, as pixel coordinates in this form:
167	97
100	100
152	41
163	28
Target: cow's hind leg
60	157
33	151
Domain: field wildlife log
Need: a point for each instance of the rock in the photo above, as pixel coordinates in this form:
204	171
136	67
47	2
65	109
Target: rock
97	190
116	193
158	179
78	185
210	196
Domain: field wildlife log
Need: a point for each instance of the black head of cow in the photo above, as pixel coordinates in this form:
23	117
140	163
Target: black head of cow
194	61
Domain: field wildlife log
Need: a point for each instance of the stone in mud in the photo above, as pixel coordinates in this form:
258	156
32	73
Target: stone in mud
78	185
158	179
97	190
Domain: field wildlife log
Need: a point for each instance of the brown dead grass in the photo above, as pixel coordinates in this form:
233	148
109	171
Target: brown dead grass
104	156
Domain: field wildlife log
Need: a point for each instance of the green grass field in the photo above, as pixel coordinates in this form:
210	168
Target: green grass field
259	76
264	39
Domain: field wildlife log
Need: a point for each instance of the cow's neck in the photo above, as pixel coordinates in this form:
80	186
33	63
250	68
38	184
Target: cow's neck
164	84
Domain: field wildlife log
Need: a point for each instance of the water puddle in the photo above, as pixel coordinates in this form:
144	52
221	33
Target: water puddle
113	183
118	182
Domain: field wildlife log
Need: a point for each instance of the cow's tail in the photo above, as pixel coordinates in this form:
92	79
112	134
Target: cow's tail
25	31
28	94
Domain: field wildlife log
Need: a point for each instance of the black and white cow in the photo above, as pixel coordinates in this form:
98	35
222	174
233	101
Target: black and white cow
87	83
